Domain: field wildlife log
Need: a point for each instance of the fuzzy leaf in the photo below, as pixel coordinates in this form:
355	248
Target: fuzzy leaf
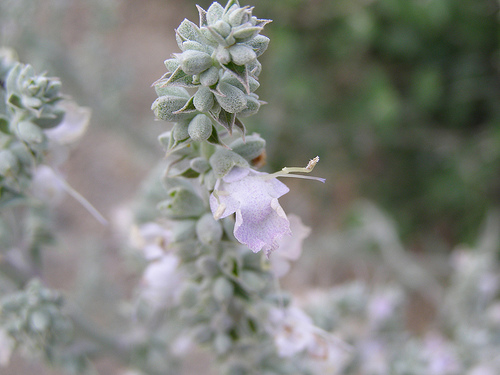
240	72
225	119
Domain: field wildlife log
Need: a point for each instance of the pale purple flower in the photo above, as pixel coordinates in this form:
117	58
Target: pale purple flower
290	247
253	196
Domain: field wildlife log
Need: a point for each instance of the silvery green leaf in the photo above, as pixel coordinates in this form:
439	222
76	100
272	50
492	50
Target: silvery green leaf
240	126
200	128
194	62
208	231
245	33
182	204
214	13
187	108
49	117
239	15
214	138
162	89
231	6
259	44
30	133
165	139
203	99
232	100
187	30
200	164
203	16
240	72
179	78
242	54
252	147
223	289
195	46
225	119
253	106
223	160
8	163
172	64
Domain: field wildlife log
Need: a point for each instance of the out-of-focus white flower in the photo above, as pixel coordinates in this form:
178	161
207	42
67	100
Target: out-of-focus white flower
290	247
7	344
294	332
161	281
73	125
47	185
152	239
292	329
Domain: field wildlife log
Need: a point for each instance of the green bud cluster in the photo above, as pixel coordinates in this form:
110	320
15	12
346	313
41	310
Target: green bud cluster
219	61
29	104
34	319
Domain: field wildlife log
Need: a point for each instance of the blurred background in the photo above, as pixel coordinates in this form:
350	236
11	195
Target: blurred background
400	99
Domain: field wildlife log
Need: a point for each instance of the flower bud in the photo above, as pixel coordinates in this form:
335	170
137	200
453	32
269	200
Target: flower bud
189	295
222	28
242	54
253	106
199	165
222	55
203	99
165	106
233	100
222	343
194	62
209	77
200	128
39	321
223	160
245	33
223	289
180	131
194	46
182	204
203	334
238	16
8	163
208	266
208	230
30	133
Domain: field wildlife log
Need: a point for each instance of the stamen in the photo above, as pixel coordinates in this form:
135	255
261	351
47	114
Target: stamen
287	171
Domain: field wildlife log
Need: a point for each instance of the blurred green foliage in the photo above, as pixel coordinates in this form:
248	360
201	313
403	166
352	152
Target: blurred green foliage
401	95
